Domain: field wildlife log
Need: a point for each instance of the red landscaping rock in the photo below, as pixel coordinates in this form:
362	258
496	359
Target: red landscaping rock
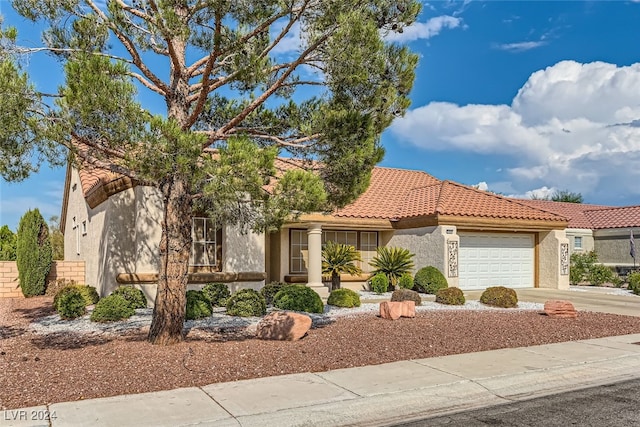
560	309
283	326
393	310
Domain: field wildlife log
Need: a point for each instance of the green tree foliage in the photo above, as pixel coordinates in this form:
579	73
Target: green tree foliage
33	253
393	263
339	259
566	196
7	244
57	238
237	93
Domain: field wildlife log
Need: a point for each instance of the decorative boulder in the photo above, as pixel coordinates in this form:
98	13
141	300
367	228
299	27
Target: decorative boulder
559	308
394	310
283	326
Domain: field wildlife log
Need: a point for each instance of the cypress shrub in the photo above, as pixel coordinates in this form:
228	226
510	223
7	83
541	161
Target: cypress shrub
450	296
70	303
33	253
405	281
499	296
379	283
270	290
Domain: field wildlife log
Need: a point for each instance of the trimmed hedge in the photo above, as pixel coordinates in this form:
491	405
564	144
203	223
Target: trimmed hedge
429	280
112	308
344	298
406	295
379	283
499	296
198	305
216	293
450	296
246	303
298	298
89	294
135	296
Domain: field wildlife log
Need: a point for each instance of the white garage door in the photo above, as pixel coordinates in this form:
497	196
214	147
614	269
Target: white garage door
496	259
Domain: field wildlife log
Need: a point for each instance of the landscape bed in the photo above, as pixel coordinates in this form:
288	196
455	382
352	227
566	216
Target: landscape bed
40	367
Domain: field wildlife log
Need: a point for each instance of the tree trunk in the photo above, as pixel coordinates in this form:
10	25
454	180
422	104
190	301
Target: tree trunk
175	248
335	281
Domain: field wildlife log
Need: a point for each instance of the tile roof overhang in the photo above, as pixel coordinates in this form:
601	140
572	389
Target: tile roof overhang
395	198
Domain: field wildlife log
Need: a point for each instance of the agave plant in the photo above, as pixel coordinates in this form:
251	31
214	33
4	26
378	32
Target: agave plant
337	259
392	262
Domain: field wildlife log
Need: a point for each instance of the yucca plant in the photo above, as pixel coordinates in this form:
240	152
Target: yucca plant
392	262
337	259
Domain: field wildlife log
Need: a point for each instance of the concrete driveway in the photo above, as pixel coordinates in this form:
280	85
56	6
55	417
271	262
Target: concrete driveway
585	298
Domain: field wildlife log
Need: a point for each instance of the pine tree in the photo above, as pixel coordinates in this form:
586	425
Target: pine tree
242	82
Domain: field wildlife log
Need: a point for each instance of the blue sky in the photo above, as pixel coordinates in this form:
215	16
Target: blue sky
521	97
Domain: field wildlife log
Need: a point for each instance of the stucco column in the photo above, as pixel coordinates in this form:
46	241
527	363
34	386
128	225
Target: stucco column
314	241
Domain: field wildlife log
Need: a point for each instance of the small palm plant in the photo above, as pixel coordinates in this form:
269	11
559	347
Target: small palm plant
392	262
337	259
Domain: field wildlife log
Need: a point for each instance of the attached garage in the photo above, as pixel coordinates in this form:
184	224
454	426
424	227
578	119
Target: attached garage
496	259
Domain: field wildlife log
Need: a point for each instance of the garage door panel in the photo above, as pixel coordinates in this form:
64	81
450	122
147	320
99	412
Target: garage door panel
492	259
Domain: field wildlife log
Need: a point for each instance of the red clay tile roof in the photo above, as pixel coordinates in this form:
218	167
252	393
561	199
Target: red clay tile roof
91	177
387	193
397	194
460	200
622	217
575	212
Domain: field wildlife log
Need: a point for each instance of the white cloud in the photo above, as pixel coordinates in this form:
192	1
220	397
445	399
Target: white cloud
521	46
571	126
291	42
424	30
482	186
542	193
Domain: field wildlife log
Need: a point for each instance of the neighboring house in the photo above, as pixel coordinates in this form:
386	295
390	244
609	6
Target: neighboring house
603	229
477	239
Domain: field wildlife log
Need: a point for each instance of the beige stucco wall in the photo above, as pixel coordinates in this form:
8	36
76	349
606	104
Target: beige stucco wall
549	260
613	248
587	239
243	251
429	244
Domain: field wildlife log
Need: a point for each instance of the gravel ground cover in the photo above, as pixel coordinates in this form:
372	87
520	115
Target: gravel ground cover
45	360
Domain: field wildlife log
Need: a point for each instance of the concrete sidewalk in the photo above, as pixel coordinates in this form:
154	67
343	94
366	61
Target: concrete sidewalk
366	396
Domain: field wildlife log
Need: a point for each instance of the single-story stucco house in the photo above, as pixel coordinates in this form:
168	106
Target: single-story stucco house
606	230
477	239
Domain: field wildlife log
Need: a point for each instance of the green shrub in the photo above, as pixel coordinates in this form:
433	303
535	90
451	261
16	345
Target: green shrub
344	298
270	290
7	244
379	283
580	266
33	253
429	280
135	296
298	298
245	303
405	281
216	293
406	295
634	282
392	262
499	296
198	305
70	303
112	308
89	294
600	274
450	296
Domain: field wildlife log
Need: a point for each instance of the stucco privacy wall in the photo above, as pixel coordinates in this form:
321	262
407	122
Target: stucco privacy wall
553	260
69	270
430	246
612	246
